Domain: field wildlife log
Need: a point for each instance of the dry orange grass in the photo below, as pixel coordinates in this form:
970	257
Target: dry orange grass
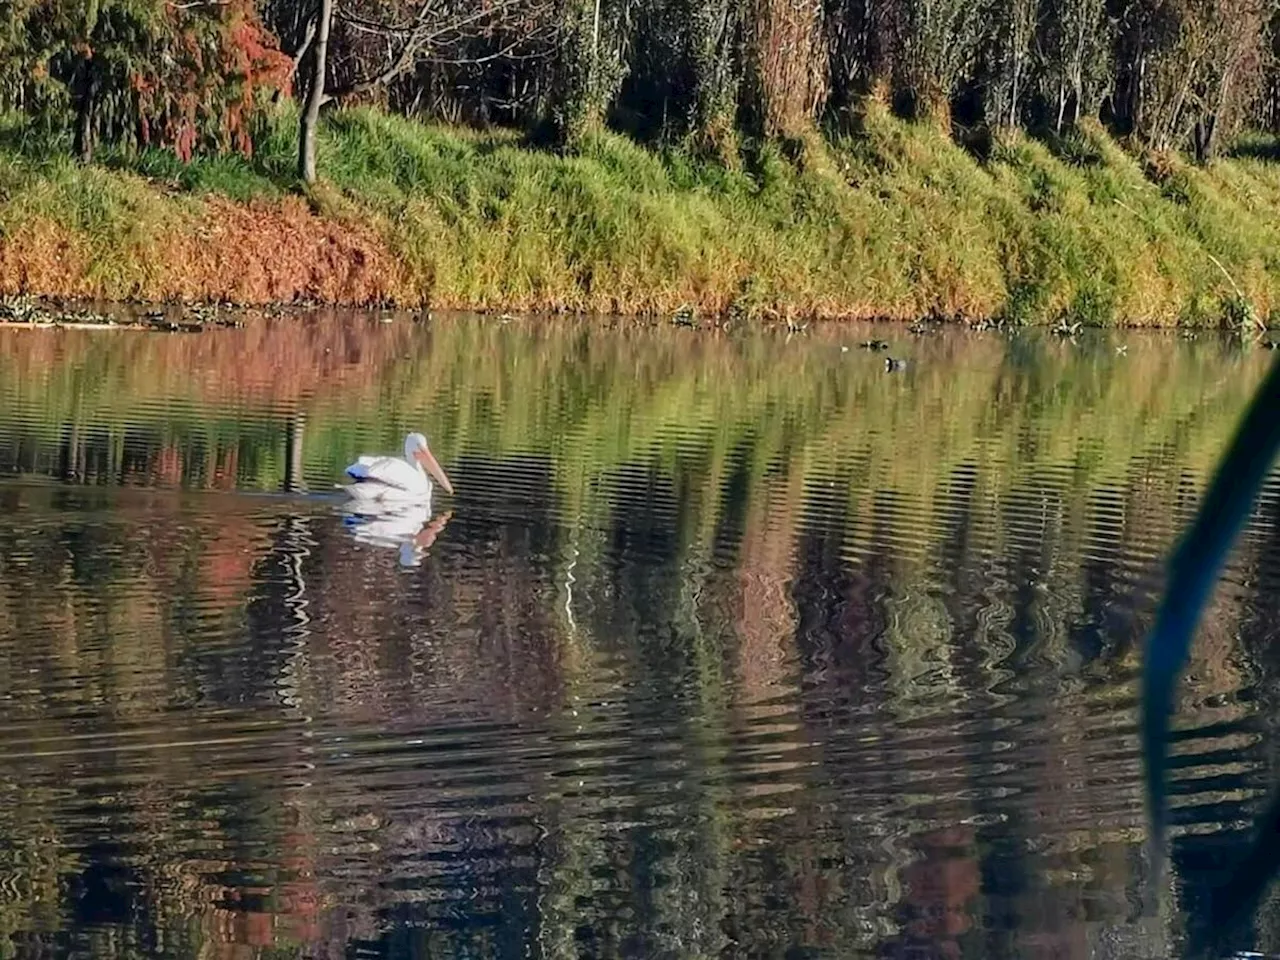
43	257
261	252
278	252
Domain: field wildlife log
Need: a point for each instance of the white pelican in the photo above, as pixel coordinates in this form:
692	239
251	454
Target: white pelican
391	478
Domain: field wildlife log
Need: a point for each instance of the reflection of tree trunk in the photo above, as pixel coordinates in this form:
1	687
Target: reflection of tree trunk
72	454
295	546
315	96
294	432
943	890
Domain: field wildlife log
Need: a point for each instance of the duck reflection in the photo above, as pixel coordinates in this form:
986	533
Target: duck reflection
408	528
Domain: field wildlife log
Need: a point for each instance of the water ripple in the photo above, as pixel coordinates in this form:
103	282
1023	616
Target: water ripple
725	646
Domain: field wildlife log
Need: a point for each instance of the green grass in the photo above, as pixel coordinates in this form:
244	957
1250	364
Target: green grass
898	221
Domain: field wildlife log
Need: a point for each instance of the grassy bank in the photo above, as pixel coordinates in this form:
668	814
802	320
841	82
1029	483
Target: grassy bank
897	222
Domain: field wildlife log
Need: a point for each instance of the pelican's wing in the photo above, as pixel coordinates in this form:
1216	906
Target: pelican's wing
387	471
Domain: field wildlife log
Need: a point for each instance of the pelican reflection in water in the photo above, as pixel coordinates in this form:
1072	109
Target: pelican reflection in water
390	500
406	527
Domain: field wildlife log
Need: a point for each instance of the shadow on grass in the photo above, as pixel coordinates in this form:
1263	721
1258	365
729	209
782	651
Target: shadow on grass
1256	147
27	140
233	175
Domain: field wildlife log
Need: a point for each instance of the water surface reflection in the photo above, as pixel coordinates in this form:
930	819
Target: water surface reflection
728	645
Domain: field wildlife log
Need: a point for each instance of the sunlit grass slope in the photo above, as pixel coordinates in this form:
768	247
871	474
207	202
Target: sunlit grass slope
898	222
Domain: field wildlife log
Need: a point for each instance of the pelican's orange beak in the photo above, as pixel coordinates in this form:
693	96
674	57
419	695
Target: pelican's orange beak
437	472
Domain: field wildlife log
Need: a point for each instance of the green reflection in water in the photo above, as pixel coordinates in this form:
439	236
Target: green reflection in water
743	639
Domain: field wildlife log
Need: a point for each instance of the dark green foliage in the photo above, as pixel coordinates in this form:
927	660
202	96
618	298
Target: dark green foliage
710	75
140	72
590	67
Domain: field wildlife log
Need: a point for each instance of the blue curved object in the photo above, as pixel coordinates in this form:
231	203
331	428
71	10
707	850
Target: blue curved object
1193	572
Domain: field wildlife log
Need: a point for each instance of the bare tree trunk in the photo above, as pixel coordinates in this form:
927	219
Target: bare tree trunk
83	145
315	96
1015	93
84	133
1202	139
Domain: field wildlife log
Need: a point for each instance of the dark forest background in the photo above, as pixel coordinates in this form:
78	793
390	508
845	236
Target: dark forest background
709	75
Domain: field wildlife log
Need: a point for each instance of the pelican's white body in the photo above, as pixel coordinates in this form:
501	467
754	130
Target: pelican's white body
392	478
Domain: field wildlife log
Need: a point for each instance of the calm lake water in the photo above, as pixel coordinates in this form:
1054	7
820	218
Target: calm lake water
727	645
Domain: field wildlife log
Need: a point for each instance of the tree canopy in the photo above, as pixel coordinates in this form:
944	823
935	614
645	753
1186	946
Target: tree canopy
187	75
